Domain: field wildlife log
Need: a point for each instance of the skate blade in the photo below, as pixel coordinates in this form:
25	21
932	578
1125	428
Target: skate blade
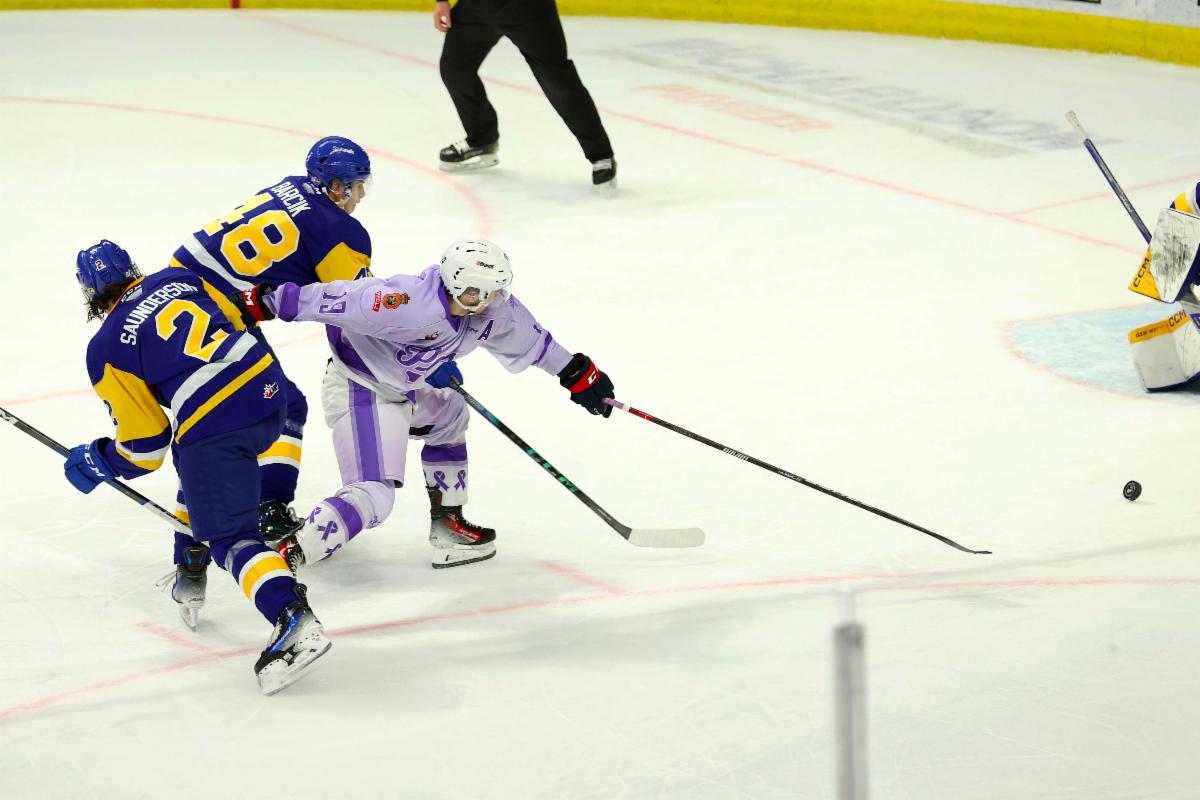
470	165
278	675
444	559
190	615
606	189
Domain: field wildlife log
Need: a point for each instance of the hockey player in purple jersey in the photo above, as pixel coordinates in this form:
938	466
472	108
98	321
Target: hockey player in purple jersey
395	341
164	342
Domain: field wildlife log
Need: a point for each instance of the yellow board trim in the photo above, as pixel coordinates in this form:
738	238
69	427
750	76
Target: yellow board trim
1061	30
219	397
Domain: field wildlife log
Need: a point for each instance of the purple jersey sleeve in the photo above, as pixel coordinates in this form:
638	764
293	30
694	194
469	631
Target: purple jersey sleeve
379	307
517	341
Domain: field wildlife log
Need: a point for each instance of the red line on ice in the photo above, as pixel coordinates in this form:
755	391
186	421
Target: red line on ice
902	584
580	577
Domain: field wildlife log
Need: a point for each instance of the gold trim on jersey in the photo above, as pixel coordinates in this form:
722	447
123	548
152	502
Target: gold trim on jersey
133	408
220	396
343	263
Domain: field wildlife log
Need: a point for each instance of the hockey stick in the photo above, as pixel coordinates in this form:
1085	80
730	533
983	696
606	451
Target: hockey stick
140	499
751	459
1108	176
642	537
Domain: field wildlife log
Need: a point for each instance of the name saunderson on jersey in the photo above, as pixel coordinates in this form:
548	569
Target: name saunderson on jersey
143	310
291	198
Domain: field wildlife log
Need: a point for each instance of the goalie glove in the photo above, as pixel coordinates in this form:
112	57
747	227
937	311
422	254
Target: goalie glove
589	386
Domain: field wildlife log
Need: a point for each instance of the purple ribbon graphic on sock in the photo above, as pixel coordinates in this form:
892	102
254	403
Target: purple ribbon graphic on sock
440	479
462	479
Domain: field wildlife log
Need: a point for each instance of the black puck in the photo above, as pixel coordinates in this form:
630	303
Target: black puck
1132	491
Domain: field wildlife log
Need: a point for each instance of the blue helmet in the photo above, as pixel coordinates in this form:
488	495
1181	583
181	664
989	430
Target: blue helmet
337	157
101	266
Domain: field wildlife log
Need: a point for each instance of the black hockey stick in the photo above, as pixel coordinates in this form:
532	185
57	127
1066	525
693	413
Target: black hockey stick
1108	176
751	459
137	497
642	537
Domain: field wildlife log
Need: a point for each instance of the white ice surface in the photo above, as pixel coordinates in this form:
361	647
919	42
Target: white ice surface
835	300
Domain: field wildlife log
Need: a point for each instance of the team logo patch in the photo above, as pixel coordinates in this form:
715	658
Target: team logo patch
270	390
430	337
394	300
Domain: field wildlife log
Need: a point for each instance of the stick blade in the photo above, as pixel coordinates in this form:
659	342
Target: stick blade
666	537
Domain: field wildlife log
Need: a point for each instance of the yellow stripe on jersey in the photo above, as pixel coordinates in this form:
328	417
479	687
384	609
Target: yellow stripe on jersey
343	264
132	405
1181	203
232	313
281	449
260	569
219	397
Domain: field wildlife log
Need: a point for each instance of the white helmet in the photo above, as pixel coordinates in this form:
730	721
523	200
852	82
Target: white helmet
475	264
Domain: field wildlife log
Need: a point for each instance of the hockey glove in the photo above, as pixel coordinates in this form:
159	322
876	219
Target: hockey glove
86	468
253	305
440	377
588	386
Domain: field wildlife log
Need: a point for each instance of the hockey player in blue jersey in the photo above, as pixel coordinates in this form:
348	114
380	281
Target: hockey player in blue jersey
298	230
165	343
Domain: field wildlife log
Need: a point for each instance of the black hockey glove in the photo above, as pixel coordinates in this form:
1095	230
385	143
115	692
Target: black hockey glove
253	305
588	385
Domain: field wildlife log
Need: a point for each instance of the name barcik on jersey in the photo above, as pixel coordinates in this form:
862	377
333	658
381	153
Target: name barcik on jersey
143	310
291	198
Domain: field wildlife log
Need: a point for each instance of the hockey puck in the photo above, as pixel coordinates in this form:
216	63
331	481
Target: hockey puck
1132	491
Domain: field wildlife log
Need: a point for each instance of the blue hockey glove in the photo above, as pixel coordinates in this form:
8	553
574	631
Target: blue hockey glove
589	386
86	468
440	377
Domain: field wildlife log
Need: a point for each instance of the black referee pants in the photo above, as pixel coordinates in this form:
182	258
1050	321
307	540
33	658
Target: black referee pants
534	27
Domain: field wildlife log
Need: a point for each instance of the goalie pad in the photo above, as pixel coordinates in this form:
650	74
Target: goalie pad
1169	267
1167	353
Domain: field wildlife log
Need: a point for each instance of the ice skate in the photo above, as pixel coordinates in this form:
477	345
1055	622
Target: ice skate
289	549
456	541
461	157
604	175
276	519
297	641
190	582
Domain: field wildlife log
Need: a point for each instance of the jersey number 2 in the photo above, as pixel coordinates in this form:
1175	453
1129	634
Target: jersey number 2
167	322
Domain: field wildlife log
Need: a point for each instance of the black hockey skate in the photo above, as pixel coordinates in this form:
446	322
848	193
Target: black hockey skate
604	173
455	540
462	157
191	580
276	519
297	641
289	549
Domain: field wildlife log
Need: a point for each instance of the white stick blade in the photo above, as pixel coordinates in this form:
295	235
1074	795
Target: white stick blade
666	537
1075	123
